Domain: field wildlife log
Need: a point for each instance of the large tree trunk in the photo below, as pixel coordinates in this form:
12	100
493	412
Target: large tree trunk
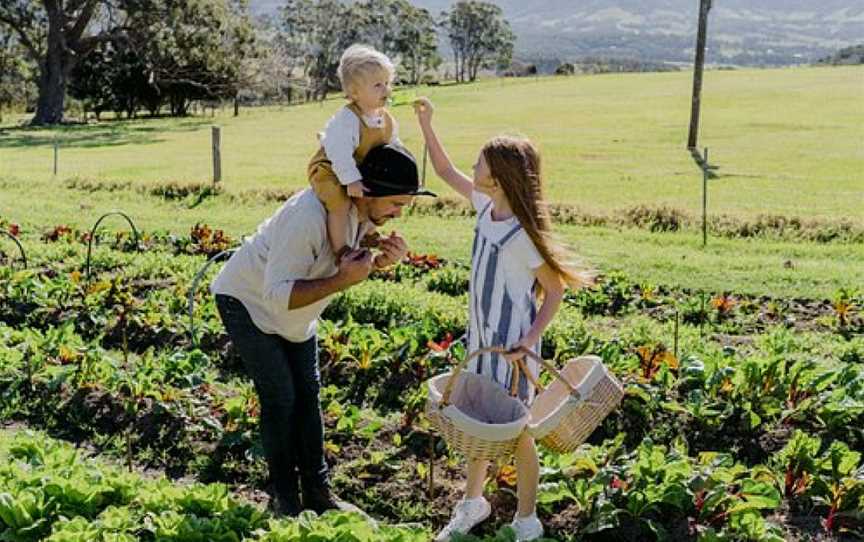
66	45
54	70
456	64
473	67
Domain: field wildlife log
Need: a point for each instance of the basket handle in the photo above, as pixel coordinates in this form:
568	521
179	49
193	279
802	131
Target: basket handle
552	369
519	364
445	399
528	374
574	391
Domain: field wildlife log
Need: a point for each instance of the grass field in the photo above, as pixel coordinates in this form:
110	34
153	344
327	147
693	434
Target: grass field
784	141
673	259
742	411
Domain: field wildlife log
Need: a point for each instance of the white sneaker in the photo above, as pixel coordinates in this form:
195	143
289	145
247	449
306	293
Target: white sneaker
466	515
527	528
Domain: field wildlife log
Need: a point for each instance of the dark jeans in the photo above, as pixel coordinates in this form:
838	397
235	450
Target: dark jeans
287	380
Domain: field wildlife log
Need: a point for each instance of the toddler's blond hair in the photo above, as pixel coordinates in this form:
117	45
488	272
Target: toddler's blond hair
360	61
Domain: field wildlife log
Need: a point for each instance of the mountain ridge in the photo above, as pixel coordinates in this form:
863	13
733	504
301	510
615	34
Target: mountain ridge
774	32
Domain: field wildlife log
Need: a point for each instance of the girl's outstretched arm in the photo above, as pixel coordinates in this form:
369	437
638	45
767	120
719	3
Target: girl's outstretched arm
440	161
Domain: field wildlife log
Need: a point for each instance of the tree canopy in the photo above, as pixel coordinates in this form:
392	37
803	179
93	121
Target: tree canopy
128	55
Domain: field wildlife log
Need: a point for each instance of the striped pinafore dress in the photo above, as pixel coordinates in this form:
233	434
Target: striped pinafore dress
498	316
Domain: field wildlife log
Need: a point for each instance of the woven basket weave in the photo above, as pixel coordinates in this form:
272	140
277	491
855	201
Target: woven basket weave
561	417
489	435
565	414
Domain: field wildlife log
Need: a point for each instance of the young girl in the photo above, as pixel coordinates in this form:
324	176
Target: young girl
512	258
362	124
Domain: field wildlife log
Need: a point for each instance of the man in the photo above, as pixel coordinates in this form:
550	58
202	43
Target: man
270	295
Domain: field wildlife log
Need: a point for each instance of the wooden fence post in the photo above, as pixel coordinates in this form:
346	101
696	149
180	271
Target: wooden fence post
705	199
56	152
698	66
217	153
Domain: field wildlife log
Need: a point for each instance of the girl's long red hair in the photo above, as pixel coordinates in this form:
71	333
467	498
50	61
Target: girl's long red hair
515	164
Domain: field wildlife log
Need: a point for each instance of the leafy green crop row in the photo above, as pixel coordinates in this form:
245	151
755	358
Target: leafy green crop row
50	491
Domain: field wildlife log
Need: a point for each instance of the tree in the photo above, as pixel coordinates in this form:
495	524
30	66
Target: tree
320	31
417	42
408	35
479	36
192	49
196	47
274	73
15	72
57	34
114	78
92	79
378	22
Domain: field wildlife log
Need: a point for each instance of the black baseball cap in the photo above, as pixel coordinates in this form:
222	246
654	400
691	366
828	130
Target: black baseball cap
390	170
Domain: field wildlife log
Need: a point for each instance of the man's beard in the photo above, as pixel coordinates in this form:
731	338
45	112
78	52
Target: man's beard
379	221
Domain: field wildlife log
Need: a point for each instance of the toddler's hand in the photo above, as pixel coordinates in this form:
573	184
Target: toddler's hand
356	189
393	250
424	109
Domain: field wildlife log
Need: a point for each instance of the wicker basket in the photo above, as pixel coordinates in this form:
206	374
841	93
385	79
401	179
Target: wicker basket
475	415
568	411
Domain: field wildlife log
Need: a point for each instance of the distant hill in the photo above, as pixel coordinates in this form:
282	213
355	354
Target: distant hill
768	32
847	56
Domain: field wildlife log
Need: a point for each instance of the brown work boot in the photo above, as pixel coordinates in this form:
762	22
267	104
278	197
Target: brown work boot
320	499
288	506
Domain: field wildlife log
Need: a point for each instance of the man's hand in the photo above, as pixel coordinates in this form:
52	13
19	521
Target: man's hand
355	189
370	240
393	249
355	266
